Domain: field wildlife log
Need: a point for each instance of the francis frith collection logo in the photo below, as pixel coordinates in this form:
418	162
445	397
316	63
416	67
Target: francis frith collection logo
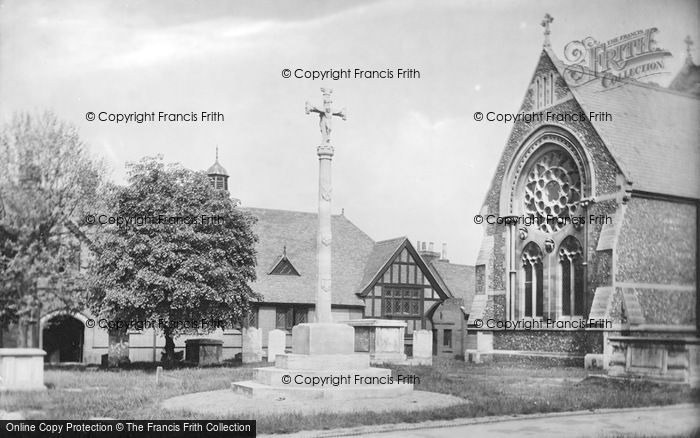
631	56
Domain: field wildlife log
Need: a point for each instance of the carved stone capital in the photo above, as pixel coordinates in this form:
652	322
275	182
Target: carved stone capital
549	245
522	233
325	151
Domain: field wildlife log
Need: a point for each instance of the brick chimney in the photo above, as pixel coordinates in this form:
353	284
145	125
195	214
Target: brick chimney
428	254
443	256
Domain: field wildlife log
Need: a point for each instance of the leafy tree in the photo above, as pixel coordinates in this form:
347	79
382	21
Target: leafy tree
188	253
47	181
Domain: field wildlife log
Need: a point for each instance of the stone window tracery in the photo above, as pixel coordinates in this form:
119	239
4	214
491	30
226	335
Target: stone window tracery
544	90
552	189
571	261
533	281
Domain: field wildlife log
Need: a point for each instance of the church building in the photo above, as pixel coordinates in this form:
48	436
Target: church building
620	249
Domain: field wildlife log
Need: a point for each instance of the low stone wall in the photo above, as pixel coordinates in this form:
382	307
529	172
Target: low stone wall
525	357
560	341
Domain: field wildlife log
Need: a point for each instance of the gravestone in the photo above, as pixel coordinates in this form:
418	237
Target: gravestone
251	343
423	347
472	356
276	343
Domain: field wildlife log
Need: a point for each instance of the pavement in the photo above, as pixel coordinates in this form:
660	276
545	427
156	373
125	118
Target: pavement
676	420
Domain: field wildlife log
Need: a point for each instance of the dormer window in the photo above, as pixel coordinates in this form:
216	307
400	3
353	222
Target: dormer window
284	266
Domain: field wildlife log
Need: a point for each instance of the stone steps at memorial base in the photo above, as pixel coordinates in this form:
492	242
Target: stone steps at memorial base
274	376
322	362
258	390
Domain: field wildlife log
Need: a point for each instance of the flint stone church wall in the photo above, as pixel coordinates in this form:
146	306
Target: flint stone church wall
657	246
606	177
572	341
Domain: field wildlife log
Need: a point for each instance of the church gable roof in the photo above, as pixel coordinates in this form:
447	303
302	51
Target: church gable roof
653	135
297	231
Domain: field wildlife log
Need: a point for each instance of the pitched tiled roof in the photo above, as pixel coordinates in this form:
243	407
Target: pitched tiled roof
380	256
276	229
459	279
687	79
653	135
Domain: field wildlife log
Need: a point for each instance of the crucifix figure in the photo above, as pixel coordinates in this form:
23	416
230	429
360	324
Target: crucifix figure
545	23
325	115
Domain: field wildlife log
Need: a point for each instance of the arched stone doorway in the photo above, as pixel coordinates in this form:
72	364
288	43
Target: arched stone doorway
63	339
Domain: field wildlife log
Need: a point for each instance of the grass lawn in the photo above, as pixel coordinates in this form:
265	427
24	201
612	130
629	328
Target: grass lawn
491	389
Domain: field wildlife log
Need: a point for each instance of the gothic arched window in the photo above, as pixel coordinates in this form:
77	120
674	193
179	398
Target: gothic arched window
533	282
552	189
571	262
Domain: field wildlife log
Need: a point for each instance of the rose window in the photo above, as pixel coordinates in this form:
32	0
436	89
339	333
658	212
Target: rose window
552	189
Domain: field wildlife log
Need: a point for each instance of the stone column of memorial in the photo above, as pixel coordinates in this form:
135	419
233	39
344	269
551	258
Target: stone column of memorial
325	191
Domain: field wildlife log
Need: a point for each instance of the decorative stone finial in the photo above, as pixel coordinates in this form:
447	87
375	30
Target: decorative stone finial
545	23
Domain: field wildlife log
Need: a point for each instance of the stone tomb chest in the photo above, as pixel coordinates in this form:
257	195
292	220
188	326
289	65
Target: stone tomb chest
674	359
203	351
22	369
383	339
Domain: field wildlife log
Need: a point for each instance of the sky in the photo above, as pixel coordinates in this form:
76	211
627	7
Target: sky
410	160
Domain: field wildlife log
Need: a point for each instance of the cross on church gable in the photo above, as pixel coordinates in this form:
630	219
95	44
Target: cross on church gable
545	23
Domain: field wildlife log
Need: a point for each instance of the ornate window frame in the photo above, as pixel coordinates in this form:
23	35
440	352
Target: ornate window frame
545	136
532	262
570	257
539	142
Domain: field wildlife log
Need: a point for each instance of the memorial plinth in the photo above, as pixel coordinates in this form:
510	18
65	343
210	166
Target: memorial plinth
322	364
22	369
